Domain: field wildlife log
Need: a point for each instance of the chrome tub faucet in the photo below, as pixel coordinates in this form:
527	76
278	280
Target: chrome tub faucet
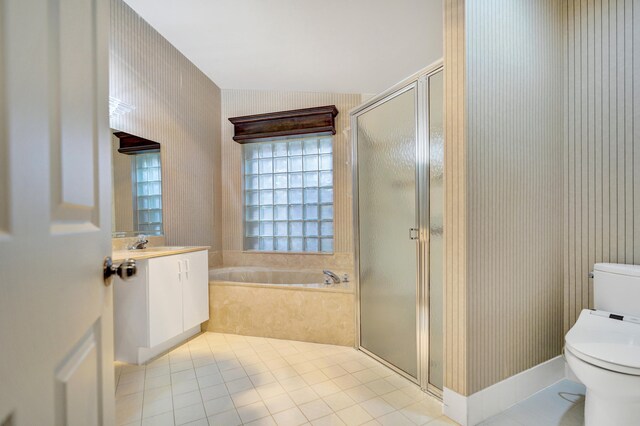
332	276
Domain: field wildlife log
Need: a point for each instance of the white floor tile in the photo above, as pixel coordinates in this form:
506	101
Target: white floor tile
354	415
184	386
279	403
423	411
291	417
224	379
561	404
226	418
157	381
165	419
189	414
218	405
253	412
315	409
376	407
395	418
155	407
270	390
303	395
330	420
246	397
213	392
338	401
187	399
239	385
265	421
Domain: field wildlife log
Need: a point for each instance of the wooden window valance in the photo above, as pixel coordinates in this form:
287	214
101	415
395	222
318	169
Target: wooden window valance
251	128
132	144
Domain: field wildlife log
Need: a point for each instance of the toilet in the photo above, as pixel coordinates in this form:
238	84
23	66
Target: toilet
603	347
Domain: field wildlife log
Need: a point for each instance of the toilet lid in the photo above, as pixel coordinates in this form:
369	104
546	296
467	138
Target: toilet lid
611	341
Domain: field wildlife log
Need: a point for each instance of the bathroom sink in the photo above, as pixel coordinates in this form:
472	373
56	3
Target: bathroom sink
160	248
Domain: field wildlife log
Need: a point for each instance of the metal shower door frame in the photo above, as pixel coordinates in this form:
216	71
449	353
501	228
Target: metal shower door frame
419	82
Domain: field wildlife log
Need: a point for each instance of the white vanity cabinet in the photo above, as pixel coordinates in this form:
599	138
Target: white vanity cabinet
164	304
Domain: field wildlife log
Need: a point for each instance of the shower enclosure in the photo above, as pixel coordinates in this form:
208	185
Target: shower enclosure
398	150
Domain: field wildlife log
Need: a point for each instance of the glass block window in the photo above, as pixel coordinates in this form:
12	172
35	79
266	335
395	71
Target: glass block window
147	193
288	193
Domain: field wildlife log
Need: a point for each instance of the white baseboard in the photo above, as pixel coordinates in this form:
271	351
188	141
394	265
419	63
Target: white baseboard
473	409
145	354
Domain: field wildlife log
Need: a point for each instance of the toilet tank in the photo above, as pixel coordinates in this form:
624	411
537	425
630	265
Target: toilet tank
616	288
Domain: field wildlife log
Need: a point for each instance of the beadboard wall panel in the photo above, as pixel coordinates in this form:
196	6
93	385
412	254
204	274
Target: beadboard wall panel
503	162
122	208
455	290
514	190
178	106
246	102
602	143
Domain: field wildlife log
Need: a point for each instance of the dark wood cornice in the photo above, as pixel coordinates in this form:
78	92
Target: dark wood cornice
252	128
131	144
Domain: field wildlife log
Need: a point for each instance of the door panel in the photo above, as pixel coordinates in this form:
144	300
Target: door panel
55	226
74	139
77	384
195	294
386	155
165	299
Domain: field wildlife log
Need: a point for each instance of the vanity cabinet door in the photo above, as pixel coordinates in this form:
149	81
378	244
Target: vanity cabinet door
195	294
165	299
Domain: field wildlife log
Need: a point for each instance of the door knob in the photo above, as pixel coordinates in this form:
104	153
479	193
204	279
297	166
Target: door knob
126	270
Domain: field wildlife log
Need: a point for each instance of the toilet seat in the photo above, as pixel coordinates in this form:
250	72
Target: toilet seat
605	342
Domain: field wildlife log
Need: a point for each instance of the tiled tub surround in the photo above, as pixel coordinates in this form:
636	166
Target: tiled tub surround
283	304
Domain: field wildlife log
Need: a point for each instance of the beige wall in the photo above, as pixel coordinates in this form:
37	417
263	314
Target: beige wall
602	149
455	292
179	107
246	102
503	193
519	243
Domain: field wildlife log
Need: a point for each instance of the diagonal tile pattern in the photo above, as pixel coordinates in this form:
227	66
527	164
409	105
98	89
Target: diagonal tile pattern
227	379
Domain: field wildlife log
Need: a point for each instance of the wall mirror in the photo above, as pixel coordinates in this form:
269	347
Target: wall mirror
137	186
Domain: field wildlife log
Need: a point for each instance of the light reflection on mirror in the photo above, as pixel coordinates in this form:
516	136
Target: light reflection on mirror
137	191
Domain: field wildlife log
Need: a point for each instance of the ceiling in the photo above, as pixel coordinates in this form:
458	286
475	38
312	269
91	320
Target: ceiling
343	46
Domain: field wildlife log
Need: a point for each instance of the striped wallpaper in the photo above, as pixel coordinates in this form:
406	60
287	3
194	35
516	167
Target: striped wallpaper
514	190
455	286
549	93
504	200
246	102
602	148
178	106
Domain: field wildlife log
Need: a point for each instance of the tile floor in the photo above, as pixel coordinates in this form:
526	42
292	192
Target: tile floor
559	405
226	379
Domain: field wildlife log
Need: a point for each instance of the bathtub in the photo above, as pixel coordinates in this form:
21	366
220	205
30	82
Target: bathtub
304	278
292	304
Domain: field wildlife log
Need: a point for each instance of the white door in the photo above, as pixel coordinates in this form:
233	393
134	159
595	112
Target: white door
56	332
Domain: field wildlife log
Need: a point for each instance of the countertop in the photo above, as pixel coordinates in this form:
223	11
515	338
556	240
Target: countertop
150	252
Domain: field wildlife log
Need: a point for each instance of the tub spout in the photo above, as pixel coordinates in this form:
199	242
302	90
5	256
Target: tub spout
333	276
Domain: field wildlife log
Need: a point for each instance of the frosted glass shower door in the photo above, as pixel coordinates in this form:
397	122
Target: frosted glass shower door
388	266
436	225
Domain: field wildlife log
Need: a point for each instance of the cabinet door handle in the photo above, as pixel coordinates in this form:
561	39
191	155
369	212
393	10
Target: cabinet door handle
179	271
187	268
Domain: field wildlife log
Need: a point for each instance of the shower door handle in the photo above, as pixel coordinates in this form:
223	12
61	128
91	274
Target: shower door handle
414	234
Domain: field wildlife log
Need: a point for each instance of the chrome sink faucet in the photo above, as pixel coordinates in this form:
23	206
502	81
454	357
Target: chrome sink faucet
333	276
140	244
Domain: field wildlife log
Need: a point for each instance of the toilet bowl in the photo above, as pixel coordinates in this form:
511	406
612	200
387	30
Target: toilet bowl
604	354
